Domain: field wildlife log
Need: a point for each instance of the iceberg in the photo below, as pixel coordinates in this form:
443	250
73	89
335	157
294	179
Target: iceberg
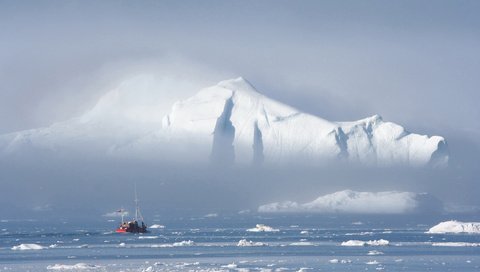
456	244
176	244
246	243
28	247
229	123
157	226
380	242
262	228
348	201
76	267
456	227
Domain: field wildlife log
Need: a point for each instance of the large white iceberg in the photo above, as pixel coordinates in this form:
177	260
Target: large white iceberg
348	201
456	227
229	123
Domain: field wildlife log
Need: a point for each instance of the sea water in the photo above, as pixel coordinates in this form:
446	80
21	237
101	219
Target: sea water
222	242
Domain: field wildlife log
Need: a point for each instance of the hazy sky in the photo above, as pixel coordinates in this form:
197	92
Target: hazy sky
415	63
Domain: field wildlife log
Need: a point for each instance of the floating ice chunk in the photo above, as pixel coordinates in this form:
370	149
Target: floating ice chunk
246	243
343	261
211	215
78	266
121	245
176	244
53	246
456	227
148	269
456	244
354	243
380	242
262	228
304	232
184	243
230	266
303	243
156	226
372	262
359	233
147	237
374	252
28	247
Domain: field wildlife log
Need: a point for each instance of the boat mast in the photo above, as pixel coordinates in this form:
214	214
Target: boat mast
136	203
138	213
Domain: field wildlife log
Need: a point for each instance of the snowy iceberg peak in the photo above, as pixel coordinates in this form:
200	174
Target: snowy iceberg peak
244	126
238	84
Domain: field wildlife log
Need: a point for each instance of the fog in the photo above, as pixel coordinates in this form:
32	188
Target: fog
415	63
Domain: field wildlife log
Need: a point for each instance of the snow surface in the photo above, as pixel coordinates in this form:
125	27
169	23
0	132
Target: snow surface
262	228
348	201
231	122
456	227
28	247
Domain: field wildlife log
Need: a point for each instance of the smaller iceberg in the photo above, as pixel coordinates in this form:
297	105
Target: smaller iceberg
246	243
75	267
454	226
262	228
455	244
28	247
380	242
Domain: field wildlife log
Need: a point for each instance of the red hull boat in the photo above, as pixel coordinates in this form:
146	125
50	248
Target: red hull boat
132	226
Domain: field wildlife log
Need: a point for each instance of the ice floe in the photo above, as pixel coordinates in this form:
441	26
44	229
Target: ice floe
456	244
380	242
302	243
262	228
176	244
28	247
246	243
343	261
147	237
78	266
156	226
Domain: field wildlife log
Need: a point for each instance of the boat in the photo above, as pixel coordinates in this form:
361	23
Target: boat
136	225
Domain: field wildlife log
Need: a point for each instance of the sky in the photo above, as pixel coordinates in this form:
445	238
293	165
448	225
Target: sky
413	62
